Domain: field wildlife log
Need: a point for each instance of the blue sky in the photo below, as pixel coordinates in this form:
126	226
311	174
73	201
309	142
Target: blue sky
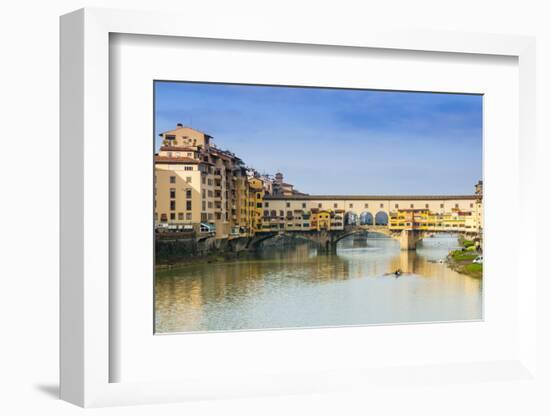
335	141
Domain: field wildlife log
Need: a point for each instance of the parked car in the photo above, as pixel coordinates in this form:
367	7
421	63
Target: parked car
478	260
207	228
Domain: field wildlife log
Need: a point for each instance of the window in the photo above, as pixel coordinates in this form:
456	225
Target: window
471	205
172	179
288	204
441	206
427	206
456	205
172	205
210	205
172	215
266	213
412	205
396	205
170	137
203	193
266	204
281	213
172	193
381	205
366	205
203	179
188	193
188	179
189	168
335	205
189	154
188	205
303	204
320	205
180	216
188	216
204	205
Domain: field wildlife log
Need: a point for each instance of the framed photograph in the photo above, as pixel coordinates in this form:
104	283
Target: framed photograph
281	197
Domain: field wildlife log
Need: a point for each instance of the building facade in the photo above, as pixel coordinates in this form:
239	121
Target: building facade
458	213
202	187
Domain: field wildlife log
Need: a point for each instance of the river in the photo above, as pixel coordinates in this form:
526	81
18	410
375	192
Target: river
288	287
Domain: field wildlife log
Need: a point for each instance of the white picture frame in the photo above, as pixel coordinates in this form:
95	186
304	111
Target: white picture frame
86	355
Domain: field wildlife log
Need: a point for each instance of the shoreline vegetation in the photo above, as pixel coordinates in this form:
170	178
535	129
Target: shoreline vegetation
461	260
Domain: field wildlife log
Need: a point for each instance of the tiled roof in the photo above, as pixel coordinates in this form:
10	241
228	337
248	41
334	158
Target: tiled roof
177	149
176	160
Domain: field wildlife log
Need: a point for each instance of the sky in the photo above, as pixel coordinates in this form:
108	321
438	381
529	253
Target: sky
337	141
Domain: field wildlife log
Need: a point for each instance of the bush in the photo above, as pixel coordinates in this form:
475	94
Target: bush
469	243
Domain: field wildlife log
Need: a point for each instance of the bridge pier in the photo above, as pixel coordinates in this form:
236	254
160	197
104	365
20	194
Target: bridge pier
409	238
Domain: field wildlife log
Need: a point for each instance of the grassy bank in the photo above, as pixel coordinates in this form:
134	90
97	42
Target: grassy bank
461	261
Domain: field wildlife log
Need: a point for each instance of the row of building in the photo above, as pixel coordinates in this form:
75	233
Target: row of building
464	216
203	188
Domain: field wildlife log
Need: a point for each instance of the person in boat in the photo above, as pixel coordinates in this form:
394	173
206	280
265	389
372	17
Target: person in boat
396	273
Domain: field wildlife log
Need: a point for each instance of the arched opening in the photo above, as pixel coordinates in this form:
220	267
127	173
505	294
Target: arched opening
366	218
381	218
350	218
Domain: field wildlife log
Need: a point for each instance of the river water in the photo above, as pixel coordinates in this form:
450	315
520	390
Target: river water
287	287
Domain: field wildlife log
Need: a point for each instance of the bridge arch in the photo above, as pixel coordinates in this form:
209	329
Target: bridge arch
366	218
381	218
256	241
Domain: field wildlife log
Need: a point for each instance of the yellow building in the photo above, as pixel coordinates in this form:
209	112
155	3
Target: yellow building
256	194
422	219
412	219
320	219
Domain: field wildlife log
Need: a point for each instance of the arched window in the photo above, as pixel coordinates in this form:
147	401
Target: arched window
381	218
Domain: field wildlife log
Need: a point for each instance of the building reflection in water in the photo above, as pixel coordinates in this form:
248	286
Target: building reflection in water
294	286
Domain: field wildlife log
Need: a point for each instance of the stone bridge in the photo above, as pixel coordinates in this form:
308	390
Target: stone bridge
327	240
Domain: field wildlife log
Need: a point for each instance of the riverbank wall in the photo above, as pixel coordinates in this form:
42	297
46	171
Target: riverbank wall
178	250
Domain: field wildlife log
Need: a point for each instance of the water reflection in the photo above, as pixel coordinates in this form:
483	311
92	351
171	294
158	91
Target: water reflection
295	287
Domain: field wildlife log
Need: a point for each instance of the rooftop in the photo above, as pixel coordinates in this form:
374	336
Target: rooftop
176	160
372	197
